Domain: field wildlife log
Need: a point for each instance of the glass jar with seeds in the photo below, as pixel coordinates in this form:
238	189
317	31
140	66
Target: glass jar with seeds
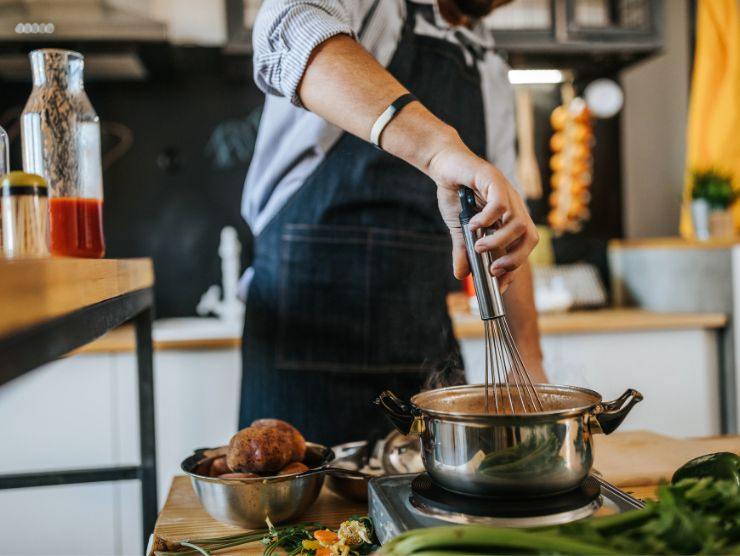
25	215
60	140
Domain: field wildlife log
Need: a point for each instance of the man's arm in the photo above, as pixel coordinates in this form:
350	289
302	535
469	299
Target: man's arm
346	86
305	50
522	316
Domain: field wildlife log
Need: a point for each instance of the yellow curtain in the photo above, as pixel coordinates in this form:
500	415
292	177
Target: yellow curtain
713	135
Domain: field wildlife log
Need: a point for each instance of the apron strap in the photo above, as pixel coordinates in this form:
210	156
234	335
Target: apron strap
368	17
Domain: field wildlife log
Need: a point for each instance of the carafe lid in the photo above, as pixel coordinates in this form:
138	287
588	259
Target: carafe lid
58	66
21	183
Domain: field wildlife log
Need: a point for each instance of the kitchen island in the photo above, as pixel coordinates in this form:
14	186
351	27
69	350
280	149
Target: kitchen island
48	307
634	461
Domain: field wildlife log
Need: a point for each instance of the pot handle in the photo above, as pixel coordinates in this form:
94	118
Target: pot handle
401	414
607	416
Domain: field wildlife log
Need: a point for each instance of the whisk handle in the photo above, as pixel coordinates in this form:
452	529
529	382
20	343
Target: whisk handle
490	302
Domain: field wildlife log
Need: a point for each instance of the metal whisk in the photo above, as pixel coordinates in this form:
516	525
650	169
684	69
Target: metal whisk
507	381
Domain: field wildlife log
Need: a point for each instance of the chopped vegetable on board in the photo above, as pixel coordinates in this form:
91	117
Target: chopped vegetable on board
355	537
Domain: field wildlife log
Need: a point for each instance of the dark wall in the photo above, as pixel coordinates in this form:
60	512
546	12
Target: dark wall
176	151
177	147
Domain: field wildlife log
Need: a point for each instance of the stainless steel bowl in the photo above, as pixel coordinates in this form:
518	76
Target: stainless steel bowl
395	454
247	502
467	450
350	456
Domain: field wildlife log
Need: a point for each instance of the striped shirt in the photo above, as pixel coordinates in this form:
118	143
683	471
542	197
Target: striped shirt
292	142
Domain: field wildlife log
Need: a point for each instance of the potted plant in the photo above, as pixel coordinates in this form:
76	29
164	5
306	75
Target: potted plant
712	194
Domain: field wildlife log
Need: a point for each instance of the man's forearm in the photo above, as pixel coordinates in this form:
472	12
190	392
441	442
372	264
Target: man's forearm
522	315
346	86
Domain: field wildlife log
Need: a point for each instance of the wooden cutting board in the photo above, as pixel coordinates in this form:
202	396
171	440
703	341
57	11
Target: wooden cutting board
645	458
635	461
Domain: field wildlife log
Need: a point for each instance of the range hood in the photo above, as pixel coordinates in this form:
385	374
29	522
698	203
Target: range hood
75	20
116	41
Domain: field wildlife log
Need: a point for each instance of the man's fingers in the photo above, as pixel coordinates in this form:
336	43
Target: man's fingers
511	261
500	239
504	281
460	264
491	213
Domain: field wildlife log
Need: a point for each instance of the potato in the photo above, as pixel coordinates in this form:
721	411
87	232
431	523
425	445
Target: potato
215	452
293	468
219	467
238	476
203	467
260	450
298	442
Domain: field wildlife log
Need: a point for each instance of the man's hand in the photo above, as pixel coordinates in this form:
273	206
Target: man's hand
454	165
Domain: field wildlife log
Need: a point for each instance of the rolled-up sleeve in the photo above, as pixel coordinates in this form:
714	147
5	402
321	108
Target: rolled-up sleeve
286	32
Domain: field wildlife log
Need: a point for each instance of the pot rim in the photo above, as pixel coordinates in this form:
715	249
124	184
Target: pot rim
327	456
507	418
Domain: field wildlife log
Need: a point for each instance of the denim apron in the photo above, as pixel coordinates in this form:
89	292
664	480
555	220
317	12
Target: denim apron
348	295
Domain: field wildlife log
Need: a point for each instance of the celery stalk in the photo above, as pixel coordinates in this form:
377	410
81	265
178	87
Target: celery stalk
488	539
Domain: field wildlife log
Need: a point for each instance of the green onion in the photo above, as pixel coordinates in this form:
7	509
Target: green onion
488	539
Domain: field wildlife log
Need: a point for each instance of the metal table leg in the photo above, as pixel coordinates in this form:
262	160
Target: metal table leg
148	471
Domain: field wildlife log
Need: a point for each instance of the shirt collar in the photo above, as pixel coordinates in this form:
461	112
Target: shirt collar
479	35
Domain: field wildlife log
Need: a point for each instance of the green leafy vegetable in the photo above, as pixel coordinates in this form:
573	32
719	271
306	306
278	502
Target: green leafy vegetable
694	516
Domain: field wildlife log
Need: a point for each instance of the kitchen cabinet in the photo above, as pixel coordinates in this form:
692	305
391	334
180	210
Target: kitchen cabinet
673	274
77	428
674	359
676	370
201	22
91	399
578	33
539	33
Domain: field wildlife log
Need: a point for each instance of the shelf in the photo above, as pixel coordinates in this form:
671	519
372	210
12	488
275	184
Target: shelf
34	291
49	307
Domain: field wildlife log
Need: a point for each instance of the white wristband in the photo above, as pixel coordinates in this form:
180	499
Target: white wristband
388	114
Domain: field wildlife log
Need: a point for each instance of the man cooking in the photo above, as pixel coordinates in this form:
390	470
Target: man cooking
376	111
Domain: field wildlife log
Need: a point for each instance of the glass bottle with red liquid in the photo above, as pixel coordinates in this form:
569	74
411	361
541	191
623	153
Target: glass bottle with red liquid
61	141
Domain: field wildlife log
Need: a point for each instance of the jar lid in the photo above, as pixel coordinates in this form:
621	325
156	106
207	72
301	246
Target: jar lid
21	183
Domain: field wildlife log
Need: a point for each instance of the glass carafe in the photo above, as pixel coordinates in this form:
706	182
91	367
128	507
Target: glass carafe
61	141
4	152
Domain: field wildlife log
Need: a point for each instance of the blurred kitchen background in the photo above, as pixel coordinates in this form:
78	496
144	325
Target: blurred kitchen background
623	299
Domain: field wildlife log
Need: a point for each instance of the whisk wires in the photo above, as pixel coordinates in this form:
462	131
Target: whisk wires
508	389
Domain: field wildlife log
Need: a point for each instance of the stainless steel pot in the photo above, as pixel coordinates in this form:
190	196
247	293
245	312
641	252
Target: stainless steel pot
469	451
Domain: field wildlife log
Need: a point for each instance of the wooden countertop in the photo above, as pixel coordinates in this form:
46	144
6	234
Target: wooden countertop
672	243
635	461
466	325
600	321
34	291
122	340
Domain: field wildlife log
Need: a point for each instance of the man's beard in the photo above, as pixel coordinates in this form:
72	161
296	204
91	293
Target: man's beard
478	8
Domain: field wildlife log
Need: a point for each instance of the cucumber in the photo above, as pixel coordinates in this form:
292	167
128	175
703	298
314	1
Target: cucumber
724	466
